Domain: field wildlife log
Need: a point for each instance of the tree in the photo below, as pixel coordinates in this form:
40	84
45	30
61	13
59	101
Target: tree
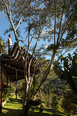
46	21
2	46
69	103
68	71
48	92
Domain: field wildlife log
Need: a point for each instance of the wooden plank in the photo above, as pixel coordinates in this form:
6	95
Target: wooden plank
0	88
8	66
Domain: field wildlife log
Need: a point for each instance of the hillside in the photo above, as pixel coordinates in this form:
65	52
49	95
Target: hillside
56	85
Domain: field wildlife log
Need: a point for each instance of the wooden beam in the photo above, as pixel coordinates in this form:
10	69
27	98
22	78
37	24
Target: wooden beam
34	78
15	75
12	67
0	88
4	70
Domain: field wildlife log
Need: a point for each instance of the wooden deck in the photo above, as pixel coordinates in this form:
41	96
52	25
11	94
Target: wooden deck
15	61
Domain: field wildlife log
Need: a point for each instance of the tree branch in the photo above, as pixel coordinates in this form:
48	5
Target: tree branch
46	72
8	12
60	27
67	24
5	6
36	43
30	61
30	41
18	23
54	22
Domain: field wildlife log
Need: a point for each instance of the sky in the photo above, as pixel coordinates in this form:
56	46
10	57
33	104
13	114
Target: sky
5	24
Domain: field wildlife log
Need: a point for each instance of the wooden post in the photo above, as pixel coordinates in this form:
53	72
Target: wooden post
10	86
7	80
16	84
34	78
0	88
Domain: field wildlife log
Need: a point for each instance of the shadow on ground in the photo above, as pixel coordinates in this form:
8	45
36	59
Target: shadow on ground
12	108
13	100
55	112
10	112
49	112
46	112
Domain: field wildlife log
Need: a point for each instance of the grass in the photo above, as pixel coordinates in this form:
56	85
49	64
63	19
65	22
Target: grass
46	112
13	108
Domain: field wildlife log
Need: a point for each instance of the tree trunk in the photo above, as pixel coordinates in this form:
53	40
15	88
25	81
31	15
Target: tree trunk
33	102
28	104
25	110
68	114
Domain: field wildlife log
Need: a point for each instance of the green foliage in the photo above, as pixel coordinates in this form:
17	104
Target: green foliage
52	47
69	103
48	91
67	70
2	46
21	89
13	89
6	93
13	108
75	58
67	106
54	102
57	86
4	96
